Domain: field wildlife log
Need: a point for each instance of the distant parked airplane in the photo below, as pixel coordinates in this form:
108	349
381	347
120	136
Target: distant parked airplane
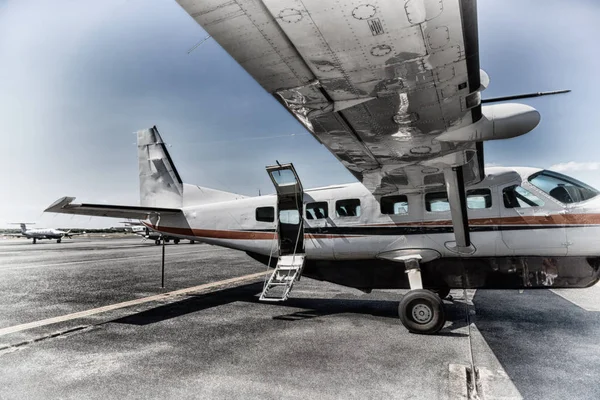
141	230
41	233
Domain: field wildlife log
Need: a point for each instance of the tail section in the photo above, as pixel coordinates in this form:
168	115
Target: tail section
161	184
23	225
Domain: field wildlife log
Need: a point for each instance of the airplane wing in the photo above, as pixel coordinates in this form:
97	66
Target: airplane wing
391	88
375	82
65	206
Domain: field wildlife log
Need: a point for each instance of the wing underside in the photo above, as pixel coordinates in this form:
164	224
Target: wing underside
375	82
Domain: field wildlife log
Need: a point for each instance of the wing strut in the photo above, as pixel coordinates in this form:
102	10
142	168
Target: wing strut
455	187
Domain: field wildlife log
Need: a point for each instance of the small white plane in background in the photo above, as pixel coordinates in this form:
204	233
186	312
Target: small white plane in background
393	90
42	233
142	230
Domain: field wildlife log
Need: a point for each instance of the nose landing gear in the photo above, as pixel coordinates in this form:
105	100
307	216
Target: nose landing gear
420	310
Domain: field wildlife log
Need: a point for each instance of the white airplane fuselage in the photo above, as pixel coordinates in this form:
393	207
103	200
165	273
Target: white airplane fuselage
44	233
549	245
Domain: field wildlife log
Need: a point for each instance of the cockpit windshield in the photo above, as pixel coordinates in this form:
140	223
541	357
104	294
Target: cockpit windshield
561	187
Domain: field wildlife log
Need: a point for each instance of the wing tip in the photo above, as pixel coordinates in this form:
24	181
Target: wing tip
59	204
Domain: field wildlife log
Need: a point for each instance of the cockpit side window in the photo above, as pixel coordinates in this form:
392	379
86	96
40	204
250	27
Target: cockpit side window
517	197
562	188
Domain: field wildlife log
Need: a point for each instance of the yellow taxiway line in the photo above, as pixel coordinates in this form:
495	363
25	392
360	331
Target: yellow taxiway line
204	288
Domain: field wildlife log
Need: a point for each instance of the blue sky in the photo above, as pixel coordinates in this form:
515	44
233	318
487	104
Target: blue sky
77	78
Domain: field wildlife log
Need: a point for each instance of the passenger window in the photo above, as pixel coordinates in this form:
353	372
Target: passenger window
394	204
479	198
437	202
291	217
265	214
517	197
316	210
347	208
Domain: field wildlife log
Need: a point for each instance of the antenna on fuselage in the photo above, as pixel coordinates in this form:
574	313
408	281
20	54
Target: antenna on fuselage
524	96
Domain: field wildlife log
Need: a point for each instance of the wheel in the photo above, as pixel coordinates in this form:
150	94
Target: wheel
58	240
192	242
443	292
34	241
167	240
157	242
422	311
176	241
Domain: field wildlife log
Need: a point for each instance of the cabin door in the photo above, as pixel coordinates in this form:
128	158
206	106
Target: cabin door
290	226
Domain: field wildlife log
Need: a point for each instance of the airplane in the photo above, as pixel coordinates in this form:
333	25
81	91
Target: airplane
42	233
393	90
140	229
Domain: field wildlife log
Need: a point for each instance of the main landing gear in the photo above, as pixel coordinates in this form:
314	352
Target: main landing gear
58	240
420	310
34	241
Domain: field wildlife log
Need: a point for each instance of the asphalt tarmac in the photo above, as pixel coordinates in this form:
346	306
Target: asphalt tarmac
88	319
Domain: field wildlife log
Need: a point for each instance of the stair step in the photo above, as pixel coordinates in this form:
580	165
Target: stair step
282	279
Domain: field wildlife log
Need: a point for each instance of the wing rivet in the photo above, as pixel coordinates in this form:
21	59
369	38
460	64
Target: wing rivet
364	11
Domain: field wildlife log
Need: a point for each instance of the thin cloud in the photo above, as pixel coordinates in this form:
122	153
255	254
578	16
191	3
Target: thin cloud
575	166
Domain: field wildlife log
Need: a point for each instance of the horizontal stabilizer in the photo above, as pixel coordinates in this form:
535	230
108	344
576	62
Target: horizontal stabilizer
65	206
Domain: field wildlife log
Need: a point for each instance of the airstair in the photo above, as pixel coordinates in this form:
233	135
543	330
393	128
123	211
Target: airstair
287	271
290	233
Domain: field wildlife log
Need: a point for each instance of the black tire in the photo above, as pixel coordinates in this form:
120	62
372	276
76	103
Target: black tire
157	242
192	242
422	311
58	240
443	292
176	241
34	241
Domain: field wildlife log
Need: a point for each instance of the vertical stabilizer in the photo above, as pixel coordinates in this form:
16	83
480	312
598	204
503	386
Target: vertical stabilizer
22	225
160	183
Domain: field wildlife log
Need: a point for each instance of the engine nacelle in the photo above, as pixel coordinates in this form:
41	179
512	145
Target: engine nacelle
499	121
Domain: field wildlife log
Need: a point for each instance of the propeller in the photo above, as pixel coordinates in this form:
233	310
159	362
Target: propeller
523	96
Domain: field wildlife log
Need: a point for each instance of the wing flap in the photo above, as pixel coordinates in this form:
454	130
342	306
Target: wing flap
65	206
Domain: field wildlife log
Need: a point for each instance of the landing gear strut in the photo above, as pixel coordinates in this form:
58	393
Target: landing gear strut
34	241
420	310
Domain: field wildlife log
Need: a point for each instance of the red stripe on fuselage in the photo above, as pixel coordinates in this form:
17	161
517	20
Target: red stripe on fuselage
555	219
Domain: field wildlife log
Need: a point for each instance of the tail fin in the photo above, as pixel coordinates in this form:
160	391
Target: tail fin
23	225
160	183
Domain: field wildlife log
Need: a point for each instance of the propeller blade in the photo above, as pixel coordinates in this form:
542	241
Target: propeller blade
524	96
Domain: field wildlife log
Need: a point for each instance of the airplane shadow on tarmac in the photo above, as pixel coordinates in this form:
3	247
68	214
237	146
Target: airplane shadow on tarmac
311	308
547	345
